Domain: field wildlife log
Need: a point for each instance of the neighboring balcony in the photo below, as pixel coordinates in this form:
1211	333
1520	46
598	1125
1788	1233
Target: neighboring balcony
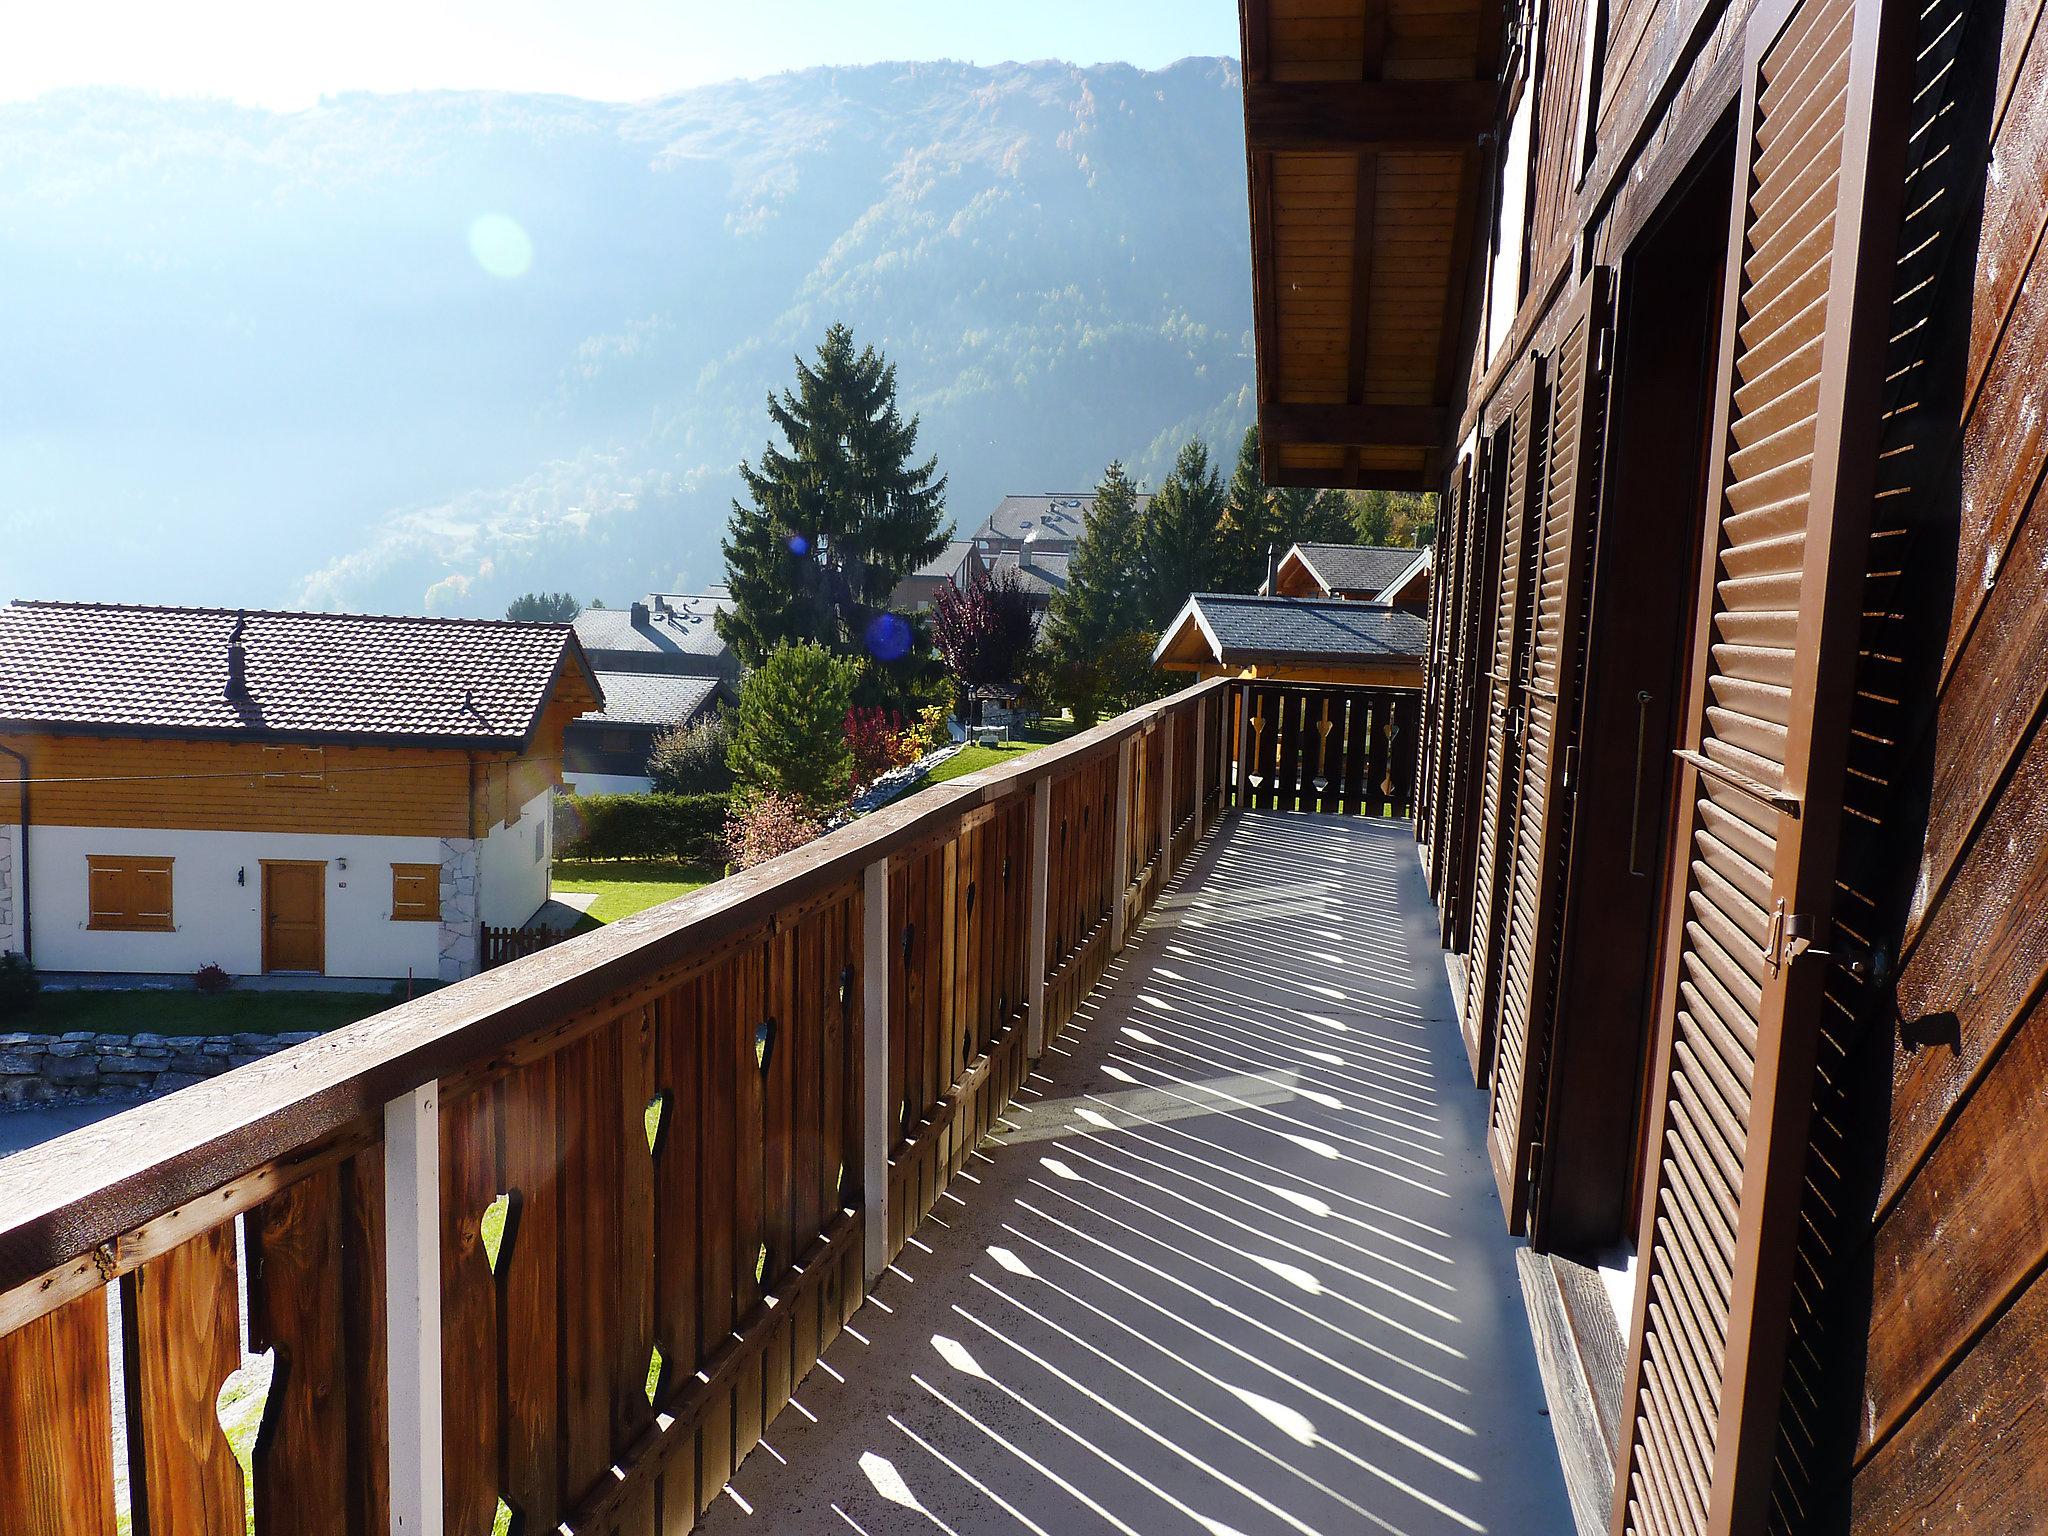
1101	1143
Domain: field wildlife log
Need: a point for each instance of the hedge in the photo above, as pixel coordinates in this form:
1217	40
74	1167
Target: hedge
639	826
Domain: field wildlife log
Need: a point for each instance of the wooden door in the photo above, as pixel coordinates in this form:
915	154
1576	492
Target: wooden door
1560	519
295	917
1500	718
1819	148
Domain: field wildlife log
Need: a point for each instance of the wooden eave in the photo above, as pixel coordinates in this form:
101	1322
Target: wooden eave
1367	132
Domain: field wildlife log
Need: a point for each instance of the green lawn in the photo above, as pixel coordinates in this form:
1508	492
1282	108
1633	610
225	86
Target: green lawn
626	886
198	1013
973	759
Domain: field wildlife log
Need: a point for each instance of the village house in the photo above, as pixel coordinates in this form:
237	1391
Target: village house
1355	572
661	665
1295	639
299	793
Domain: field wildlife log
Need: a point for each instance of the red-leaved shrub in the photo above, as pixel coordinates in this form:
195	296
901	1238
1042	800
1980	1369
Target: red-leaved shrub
211	978
765	826
878	742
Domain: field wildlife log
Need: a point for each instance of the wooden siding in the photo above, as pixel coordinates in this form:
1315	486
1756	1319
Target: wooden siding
246	786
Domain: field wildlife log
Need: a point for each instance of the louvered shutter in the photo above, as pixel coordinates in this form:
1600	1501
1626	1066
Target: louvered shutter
1803	338
1447	681
1560	521
1433	682
1498	794
1480	550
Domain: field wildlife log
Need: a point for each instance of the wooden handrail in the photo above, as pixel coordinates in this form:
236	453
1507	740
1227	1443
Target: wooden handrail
62	1200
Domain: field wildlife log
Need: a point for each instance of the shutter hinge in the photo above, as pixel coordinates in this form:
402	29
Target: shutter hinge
1603	347
1535	1163
1571	764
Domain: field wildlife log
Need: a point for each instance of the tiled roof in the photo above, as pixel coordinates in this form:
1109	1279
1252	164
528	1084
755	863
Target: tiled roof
651	698
1252	629
1040	572
124	669
1367	568
947	561
611	633
1057	518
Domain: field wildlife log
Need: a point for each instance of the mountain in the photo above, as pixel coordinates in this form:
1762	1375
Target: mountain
424	352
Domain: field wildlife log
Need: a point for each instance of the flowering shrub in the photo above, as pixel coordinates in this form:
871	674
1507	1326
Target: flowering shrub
878	743
211	978
765	826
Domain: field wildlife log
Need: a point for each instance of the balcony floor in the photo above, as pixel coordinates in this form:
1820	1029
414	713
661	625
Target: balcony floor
1238	1266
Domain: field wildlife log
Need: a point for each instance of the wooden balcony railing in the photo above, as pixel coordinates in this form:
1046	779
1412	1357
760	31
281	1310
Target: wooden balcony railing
565	1237
1312	747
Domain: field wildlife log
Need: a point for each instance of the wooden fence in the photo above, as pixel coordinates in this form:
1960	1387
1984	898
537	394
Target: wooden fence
566	1236
502	945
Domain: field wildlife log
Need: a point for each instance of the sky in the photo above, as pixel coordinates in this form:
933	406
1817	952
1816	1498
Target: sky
287	54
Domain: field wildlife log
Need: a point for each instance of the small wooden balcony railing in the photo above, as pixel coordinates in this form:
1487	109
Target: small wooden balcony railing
560	1241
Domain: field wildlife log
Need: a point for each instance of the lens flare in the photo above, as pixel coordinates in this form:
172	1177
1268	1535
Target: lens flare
799	545
501	247
888	637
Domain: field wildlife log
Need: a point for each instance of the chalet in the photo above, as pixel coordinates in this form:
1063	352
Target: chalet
949	567
1718	327
660	664
1303	640
1355	572
303	793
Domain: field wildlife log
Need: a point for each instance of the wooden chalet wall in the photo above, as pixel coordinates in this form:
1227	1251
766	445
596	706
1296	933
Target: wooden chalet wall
1881	1240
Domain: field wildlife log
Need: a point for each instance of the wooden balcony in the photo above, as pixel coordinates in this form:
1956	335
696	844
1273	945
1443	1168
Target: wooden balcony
1083	1224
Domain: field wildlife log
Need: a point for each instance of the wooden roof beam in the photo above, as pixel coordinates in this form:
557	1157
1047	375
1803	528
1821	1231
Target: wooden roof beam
1384	426
1354	115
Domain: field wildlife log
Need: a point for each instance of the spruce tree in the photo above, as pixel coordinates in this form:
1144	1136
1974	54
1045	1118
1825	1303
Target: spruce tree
1303	516
1177	541
1248	530
834	519
788	735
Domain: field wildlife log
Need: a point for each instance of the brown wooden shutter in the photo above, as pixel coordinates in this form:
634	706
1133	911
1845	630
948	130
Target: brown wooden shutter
1560	524
1475	621
1803	341
1445	679
1498	795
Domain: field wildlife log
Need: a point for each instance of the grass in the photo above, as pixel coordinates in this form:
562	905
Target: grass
197	1013
973	759
626	886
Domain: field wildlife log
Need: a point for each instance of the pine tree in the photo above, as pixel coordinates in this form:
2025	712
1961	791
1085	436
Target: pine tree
1302	516
1177	541
1099	604
834	520
789	732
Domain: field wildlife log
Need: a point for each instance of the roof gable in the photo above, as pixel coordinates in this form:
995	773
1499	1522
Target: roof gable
1232	630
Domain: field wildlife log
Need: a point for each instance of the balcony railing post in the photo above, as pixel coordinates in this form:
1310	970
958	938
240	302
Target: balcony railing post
1041	895
1236	792
1122	866
1167	726
875	1121
412	1308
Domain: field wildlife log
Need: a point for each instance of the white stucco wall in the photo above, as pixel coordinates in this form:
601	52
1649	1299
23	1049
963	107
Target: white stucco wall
609	783
515	881
219	921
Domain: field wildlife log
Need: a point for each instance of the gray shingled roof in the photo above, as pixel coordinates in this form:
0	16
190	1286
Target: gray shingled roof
163	671
1369	568
1041	575
1253	629
609	633
1057	518
651	698
946	563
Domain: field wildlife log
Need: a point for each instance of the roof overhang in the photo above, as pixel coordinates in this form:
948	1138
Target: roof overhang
1412	585
1366	131
1188	642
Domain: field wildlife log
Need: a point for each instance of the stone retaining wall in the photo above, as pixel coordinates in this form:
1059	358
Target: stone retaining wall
82	1067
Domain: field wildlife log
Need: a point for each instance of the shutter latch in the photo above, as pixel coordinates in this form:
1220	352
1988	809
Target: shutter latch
1791	938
